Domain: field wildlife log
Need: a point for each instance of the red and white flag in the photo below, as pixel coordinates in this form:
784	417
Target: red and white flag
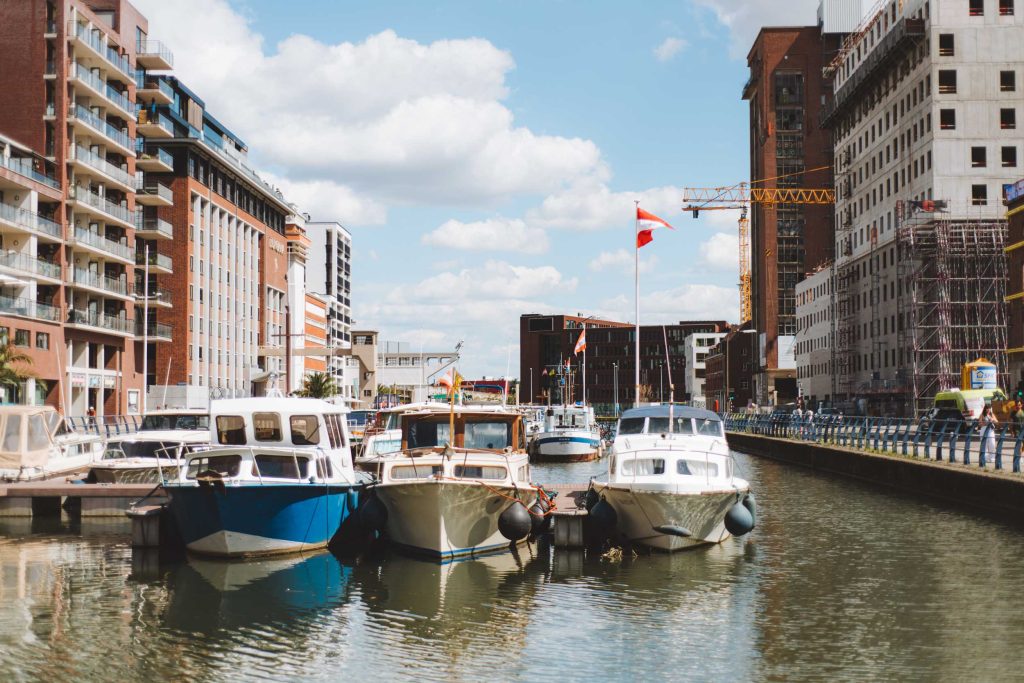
581	343
446	379
646	223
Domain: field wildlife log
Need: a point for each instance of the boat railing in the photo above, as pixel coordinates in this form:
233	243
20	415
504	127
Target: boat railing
104	425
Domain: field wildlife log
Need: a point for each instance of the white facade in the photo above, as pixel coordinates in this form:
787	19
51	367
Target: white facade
695	351
329	274
401	366
814	336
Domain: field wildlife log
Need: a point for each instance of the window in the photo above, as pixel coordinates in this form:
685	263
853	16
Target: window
947	119
231	430
697	468
946	45
1006	8
947	82
42	340
631	425
976	8
280	466
1007	118
1009	157
644	466
489	435
414	471
1007	81
305	430
12	435
224	465
978	157
708	427
425	434
979	195
22	337
479	472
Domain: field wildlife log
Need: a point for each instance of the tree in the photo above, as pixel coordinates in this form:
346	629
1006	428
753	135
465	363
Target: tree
318	385
12	362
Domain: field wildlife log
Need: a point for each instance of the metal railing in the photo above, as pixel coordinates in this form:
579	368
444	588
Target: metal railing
30	308
955	441
119	212
117	249
29	264
80	113
118	99
104	425
24	167
146	46
93	160
30	221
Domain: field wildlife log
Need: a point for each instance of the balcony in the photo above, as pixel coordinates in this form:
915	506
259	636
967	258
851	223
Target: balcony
51	29
152	54
96	243
158	263
103	284
118	138
29	308
152	159
154	331
33	222
106	209
153	90
153	194
89	162
154	125
26	263
103	90
25	167
109	324
153	228
157	298
91	39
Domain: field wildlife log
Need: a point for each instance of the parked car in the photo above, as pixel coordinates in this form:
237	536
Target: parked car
945	420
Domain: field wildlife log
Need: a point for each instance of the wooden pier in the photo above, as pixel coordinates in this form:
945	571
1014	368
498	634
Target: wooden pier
44	498
570	515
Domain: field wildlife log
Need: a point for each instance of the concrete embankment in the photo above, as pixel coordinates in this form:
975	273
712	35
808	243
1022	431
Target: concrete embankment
994	491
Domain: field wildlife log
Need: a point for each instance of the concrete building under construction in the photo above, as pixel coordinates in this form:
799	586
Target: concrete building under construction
923	125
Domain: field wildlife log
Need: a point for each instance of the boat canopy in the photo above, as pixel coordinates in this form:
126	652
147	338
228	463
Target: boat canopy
655	420
662	410
26	435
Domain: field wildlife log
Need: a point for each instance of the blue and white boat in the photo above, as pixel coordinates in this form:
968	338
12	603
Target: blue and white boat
278	478
570	434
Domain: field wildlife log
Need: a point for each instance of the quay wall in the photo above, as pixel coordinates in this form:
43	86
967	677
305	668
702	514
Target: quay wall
993	491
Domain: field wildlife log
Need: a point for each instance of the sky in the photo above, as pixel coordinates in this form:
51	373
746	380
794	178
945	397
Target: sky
486	155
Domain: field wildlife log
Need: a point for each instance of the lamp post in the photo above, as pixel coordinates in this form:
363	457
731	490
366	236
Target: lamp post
661	381
616	383
531	386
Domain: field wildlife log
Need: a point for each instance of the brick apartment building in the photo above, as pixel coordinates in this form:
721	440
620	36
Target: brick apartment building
1014	200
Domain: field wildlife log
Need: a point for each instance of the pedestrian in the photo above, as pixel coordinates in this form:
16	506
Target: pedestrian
1018	416
798	418
809	416
988	423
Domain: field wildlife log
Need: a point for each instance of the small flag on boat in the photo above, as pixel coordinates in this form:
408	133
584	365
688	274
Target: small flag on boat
646	222
446	379
581	343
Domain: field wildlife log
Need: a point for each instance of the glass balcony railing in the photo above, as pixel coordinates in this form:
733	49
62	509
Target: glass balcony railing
103	204
147	117
154	189
155	296
158	260
153	329
29	308
80	113
81	276
101	320
147	46
118	99
157	225
30	264
31	221
148	154
110	246
92	38
93	160
143	83
24	167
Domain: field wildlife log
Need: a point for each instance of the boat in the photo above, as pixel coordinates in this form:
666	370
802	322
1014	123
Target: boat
385	435
278	478
358	422
35	444
153	453
671	482
570	434
456	492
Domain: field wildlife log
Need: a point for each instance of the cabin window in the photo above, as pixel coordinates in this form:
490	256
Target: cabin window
37	437
414	471
697	468
480	472
280	467
305	430
324	470
335	431
659	425
643	466
12	434
423	434
489	435
266	426
631	425
524	473
709	427
231	430
224	465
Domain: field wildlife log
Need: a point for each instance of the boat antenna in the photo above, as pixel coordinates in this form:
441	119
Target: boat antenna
671	387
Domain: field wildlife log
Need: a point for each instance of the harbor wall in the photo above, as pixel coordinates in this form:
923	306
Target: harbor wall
993	491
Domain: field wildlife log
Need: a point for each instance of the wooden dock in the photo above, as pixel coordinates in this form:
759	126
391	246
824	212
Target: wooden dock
43	498
570	515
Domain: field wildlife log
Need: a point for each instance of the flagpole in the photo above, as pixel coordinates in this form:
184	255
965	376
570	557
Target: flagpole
636	277
584	364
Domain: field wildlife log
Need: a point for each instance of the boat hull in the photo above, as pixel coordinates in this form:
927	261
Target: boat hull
640	510
566	447
254	520
445	520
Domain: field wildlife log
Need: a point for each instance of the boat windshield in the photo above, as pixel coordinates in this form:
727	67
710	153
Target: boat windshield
708	427
659	425
489	435
631	425
153	422
142	449
426	434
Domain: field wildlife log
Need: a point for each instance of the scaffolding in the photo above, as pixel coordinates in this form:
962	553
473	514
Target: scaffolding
953	278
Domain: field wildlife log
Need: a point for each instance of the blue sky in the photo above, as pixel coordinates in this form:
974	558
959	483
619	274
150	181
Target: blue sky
485	155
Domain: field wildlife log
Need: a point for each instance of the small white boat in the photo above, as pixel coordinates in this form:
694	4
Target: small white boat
153	453
448	494
385	435
671	482
569	434
36	444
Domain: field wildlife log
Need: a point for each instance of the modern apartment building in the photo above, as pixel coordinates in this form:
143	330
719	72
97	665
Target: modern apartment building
728	368
329	273
695	350
924	124
1014	198
70	73
814	337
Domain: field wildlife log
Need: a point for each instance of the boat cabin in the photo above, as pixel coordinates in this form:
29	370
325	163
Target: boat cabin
683	420
481	430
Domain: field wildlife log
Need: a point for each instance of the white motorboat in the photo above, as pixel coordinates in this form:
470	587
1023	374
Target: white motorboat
154	452
36	444
385	435
671	481
569	434
455	492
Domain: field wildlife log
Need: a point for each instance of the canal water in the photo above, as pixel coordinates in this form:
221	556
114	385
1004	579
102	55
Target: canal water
840	581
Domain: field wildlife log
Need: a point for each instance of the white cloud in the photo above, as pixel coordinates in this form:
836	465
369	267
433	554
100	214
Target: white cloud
686	302
494	234
721	251
744	19
669	48
591	205
393	118
327	200
622	261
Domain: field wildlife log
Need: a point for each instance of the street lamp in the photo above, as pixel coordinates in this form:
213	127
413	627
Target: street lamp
531	385
616	383
661	381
